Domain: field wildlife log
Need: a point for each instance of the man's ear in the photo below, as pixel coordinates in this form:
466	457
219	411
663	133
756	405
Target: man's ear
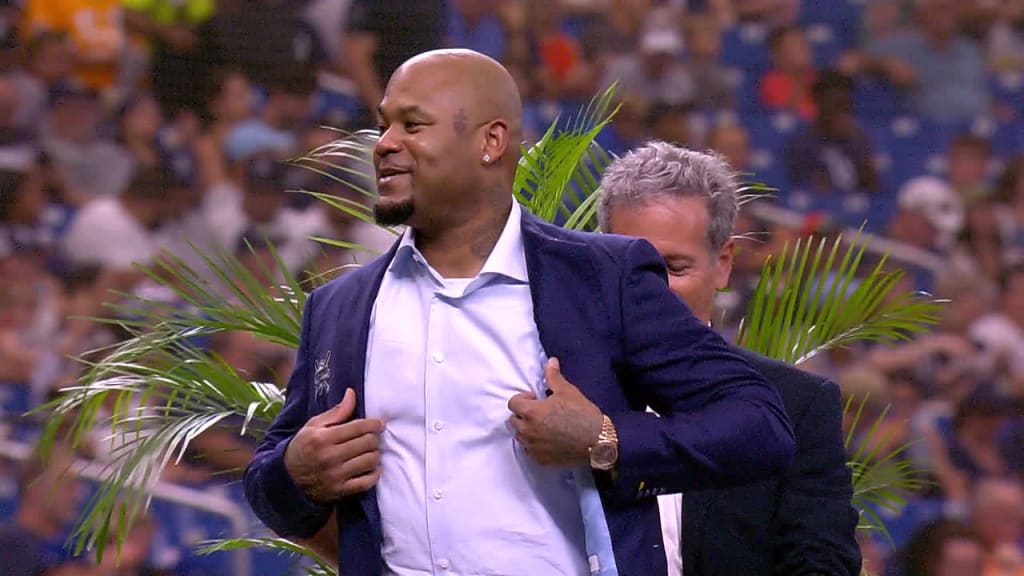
496	140
723	265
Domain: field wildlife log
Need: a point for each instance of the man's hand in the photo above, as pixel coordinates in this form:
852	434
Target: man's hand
559	430
332	456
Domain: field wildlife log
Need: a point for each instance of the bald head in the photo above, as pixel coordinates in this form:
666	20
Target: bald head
451	130
478	83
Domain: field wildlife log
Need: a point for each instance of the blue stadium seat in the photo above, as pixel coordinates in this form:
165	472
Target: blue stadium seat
745	46
769	138
914	147
828	42
877	99
1008	89
1005	137
841	12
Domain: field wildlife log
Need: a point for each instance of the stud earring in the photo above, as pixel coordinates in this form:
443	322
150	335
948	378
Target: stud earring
487	158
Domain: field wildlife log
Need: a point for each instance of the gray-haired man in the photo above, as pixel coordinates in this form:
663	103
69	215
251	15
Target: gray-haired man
685	202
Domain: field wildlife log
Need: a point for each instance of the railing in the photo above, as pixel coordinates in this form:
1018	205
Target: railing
177	494
898	251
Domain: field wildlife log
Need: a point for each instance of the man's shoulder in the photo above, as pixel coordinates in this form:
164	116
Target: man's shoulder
611	246
796	387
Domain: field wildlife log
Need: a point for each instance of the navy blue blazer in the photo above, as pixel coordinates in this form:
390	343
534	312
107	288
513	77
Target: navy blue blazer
602	306
799	524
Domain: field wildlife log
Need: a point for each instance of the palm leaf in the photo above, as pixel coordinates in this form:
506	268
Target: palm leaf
162	393
319	566
811	300
560	159
880	480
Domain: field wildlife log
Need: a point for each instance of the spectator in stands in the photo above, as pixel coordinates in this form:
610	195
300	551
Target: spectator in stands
770	12
997	513
969	158
717	86
654	72
476	24
614	29
943	548
944	72
178	70
139	123
49	59
96	32
982	249
974	443
381	34
255	203
787	86
230	103
50	493
1004	39
95	165
671	123
117	232
834	153
561	69
286	111
732	141
629	128
933	200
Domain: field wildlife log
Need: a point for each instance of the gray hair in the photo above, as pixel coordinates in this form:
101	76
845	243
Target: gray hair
661	170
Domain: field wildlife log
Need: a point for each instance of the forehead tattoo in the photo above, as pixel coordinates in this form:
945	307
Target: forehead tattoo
460	122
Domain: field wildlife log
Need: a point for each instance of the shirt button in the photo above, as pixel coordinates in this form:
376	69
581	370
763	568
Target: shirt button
437	494
444	564
438	357
438	425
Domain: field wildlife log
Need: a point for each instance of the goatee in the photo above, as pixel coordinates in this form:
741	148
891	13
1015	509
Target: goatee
394	214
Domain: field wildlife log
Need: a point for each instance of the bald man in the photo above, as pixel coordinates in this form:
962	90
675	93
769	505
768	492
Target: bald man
472	402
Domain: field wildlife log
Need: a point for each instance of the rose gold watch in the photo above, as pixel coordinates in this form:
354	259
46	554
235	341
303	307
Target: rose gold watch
604	454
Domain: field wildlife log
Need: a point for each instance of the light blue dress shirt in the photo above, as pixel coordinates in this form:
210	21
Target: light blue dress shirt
458	494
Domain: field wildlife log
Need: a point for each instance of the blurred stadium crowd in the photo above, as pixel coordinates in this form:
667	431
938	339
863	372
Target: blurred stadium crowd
133	127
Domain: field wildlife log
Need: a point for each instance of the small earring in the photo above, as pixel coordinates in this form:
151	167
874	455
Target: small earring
487	158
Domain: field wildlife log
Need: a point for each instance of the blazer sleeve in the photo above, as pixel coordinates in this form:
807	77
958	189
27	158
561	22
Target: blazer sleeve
721	423
273	496
814	528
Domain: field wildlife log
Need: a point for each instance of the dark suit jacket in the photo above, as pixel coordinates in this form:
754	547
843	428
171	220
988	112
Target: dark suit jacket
798	524
602	306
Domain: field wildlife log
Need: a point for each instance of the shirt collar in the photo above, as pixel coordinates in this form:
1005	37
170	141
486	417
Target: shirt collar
508	258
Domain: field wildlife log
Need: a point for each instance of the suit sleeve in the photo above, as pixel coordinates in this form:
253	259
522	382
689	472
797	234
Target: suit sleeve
814	529
273	496
721	423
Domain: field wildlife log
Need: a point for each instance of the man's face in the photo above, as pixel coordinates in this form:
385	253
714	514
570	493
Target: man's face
678	229
429	148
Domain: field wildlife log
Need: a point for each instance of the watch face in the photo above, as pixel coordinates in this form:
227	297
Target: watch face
604	455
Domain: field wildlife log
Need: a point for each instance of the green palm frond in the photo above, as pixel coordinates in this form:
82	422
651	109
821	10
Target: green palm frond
235	300
319	566
881	480
347	160
811	300
565	158
157	393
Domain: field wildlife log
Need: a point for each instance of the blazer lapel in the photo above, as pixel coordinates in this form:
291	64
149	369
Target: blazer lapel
351	337
562	284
